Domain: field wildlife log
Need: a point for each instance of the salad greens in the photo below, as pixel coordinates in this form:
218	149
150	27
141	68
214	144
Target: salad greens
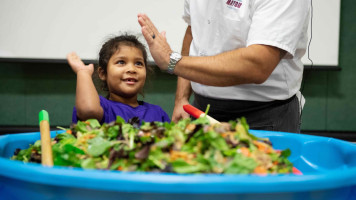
189	146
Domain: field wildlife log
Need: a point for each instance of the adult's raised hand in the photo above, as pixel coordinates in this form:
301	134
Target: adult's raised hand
156	41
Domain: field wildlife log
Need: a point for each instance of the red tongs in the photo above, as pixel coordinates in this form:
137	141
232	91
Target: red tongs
195	112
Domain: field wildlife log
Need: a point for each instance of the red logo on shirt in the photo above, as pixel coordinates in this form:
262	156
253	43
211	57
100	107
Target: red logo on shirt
232	3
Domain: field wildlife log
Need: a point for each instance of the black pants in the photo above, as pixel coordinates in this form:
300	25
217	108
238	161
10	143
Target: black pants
280	115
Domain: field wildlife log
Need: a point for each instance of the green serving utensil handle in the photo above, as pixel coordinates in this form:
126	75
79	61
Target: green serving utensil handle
46	147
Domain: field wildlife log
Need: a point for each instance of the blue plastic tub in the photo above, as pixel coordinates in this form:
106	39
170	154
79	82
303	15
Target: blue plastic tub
328	166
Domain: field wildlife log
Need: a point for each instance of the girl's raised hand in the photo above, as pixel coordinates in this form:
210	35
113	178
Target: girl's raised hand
77	64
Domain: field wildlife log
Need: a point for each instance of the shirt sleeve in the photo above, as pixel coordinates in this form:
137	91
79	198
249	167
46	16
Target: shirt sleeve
278	23
186	15
105	106
74	116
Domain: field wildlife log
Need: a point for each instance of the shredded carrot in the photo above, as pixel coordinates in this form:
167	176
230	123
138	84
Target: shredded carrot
174	155
190	127
119	168
228	134
245	151
69	132
263	147
260	170
178	154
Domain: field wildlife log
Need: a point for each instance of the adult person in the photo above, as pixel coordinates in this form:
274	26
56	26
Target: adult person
244	59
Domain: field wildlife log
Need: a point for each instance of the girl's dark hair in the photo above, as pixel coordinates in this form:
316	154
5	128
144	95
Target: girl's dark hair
111	46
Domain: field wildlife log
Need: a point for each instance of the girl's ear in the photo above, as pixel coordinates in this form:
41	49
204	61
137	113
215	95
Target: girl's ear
101	73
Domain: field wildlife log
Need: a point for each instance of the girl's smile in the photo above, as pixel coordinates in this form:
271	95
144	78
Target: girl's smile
130	81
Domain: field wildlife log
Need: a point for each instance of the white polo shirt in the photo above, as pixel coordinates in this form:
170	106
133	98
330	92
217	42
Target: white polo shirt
224	25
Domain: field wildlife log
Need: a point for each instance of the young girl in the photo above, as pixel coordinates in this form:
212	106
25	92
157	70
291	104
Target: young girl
122	68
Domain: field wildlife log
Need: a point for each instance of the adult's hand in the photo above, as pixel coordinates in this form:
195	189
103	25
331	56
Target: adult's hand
178	111
157	42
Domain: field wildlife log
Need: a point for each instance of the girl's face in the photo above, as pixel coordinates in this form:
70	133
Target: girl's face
126	72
